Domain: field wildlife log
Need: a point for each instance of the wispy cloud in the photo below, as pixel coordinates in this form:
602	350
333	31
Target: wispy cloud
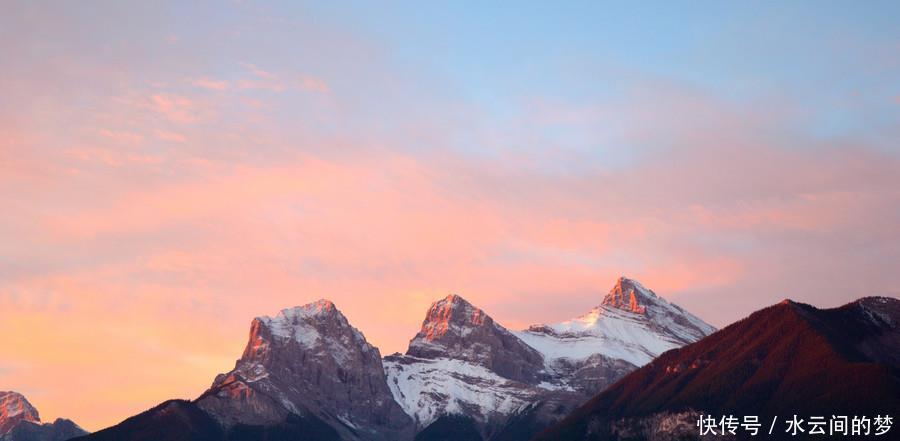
211	84
175	108
313	84
173	194
166	135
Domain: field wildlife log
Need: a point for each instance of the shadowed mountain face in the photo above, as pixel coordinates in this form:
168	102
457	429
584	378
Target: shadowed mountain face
180	420
784	360
20	421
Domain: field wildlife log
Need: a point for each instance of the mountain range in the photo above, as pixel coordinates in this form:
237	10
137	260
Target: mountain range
464	376
634	367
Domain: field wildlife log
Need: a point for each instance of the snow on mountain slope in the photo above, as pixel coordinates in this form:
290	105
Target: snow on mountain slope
464	363
429	388
456	329
303	324
632	325
14	409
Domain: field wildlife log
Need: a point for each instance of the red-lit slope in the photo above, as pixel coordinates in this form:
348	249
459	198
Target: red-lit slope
786	359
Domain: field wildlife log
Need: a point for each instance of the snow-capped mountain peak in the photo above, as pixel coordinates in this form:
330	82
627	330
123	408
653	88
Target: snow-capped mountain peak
454	328
629	295
302	323
461	362
308	361
632	325
452	314
14	408
19	420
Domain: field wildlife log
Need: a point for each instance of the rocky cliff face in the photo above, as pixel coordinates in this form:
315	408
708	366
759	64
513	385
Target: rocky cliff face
20	421
455	329
14	409
464	373
309	361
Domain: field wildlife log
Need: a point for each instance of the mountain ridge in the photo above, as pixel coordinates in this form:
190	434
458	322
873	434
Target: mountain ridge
445	373
308	369
788	358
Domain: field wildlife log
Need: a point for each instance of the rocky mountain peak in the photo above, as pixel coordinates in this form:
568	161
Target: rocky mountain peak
455	329
321	309
630	328
20	421
629	295
14	409
310	325
308	361
452	314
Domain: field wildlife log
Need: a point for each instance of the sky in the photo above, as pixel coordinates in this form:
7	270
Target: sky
170	170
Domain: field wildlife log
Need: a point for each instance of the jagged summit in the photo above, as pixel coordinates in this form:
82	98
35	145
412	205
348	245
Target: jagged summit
308	361
632	324
304	323
321	307
452	314
461	362
19	420
455	329
629	295
14	409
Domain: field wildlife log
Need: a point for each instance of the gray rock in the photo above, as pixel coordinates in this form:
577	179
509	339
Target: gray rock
309	361
456	329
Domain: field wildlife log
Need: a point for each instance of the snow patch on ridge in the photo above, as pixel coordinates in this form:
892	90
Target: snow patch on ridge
429	388
632	324
304	325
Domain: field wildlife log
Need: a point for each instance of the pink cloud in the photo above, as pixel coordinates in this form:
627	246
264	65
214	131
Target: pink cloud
166	135
260	73
313	84
211	84
112	157
175	108
177	245
121	136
